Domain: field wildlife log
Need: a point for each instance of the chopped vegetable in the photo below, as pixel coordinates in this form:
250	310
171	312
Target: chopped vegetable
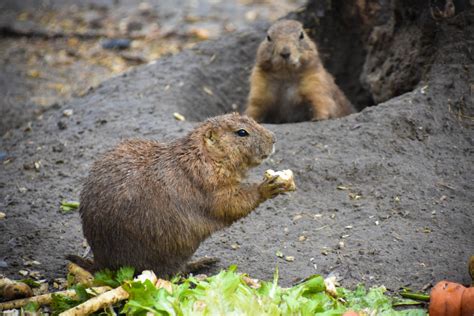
113	279
53	299
228	293
79	275
467	302
11	289
445	299
67	206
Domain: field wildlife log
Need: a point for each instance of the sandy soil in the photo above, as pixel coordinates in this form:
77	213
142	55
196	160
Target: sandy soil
384	196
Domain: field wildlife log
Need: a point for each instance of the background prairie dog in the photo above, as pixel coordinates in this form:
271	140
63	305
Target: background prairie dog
289	83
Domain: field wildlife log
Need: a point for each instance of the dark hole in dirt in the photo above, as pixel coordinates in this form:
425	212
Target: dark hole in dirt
225	88
375	53
222	87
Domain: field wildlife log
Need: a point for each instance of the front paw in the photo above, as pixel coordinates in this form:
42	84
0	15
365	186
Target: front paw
271	187
284	176
321	117
277	182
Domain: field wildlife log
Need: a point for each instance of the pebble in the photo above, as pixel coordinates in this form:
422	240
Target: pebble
36	275
68	112
29	263
28	127
297	217
58	148
62	125
178	116
119	43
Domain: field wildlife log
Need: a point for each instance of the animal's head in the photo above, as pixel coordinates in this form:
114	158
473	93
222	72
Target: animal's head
237	141
286	47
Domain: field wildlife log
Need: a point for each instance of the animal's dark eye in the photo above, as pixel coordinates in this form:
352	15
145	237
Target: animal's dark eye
301	35
269	38
242	133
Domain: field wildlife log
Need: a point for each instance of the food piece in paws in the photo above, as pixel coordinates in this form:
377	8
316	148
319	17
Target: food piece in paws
283	176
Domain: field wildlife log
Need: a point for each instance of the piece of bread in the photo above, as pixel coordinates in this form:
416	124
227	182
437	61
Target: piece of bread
283	176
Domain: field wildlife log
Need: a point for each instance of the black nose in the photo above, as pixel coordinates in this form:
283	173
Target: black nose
285	55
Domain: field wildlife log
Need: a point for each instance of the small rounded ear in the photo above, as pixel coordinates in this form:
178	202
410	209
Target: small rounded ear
210	137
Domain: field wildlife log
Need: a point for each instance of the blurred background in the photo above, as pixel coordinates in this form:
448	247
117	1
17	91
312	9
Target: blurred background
53	50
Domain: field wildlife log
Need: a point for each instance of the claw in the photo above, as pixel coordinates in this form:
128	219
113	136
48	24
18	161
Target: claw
271	180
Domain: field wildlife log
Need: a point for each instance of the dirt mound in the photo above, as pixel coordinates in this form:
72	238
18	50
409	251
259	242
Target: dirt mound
384	196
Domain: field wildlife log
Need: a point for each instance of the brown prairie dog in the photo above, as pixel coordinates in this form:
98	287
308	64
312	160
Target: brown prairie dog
149	205
289	82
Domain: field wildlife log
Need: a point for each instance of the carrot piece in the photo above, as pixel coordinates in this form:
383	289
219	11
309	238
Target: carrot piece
445	299
467	304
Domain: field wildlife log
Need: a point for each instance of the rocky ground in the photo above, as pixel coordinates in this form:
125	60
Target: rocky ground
384	195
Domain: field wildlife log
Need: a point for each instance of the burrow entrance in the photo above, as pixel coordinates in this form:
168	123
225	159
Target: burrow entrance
375	49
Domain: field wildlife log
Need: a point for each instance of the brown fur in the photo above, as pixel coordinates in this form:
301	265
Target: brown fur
149	205
295	88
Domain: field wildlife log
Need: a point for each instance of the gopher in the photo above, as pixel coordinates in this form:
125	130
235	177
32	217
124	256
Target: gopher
289	83
149	205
